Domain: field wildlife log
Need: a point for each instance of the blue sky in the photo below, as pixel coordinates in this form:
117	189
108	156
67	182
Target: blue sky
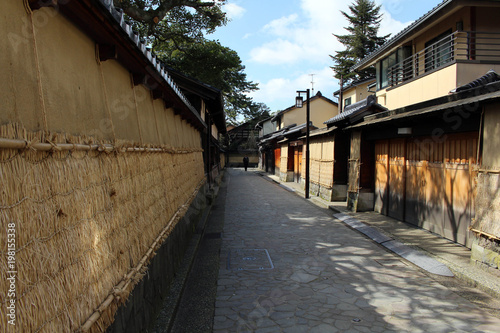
282	42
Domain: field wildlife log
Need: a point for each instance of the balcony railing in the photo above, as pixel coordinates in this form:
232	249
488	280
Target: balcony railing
459	45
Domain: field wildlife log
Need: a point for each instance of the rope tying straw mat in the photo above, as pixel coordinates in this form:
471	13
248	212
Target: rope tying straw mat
89	217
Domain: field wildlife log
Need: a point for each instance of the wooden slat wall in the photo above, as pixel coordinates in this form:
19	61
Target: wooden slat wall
381	176
459	174
416	166
396	178
428	183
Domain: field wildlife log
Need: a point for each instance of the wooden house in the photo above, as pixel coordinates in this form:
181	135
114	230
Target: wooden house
284	144
427	158
241	142
266	157
330	154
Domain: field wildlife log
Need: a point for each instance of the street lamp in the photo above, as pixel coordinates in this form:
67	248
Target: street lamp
299	103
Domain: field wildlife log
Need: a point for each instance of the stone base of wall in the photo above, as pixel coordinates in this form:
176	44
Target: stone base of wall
286	176
277	171
361	202
144	302
366	201
339	193
335	193
314	189
485	254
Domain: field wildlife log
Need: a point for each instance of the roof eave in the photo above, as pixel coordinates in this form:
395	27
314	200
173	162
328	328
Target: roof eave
393	43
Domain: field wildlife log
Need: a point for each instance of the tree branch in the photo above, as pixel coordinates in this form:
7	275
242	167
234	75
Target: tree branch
155	15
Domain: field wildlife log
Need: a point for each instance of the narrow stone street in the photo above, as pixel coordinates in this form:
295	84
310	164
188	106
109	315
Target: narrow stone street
289	266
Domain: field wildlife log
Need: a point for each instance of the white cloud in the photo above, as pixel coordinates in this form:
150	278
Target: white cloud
308	34
389	25
279	93
277	52
233	11
282	26
276	93
303	41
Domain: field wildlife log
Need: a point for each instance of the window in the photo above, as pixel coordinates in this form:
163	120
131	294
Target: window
438	51
383	72
347	101
395	68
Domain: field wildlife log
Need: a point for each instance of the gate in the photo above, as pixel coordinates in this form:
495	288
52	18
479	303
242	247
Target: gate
397	178
416	170
427	183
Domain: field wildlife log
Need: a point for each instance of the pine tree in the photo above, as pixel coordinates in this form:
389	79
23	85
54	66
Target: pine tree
361	40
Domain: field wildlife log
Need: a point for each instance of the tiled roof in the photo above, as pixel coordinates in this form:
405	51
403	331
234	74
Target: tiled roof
353	110
354	84
489	77
277	134
292	129
297	129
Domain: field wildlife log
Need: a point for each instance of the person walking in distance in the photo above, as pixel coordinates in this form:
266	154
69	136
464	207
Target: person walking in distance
245	162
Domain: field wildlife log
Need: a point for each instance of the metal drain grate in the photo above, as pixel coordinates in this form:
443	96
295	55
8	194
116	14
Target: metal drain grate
249	259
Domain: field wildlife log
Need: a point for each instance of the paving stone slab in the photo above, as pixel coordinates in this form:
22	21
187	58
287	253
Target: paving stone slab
249	259
416	257
326	274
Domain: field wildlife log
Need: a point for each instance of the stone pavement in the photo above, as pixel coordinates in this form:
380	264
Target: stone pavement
289	266
455	256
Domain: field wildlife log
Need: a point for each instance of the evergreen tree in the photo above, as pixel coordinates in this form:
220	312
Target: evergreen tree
362	39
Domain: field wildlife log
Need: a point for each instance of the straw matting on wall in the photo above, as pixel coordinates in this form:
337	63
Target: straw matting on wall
322	161
87	223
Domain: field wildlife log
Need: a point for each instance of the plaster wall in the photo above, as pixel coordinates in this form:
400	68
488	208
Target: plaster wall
320	111
357	93
427	87
55	82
